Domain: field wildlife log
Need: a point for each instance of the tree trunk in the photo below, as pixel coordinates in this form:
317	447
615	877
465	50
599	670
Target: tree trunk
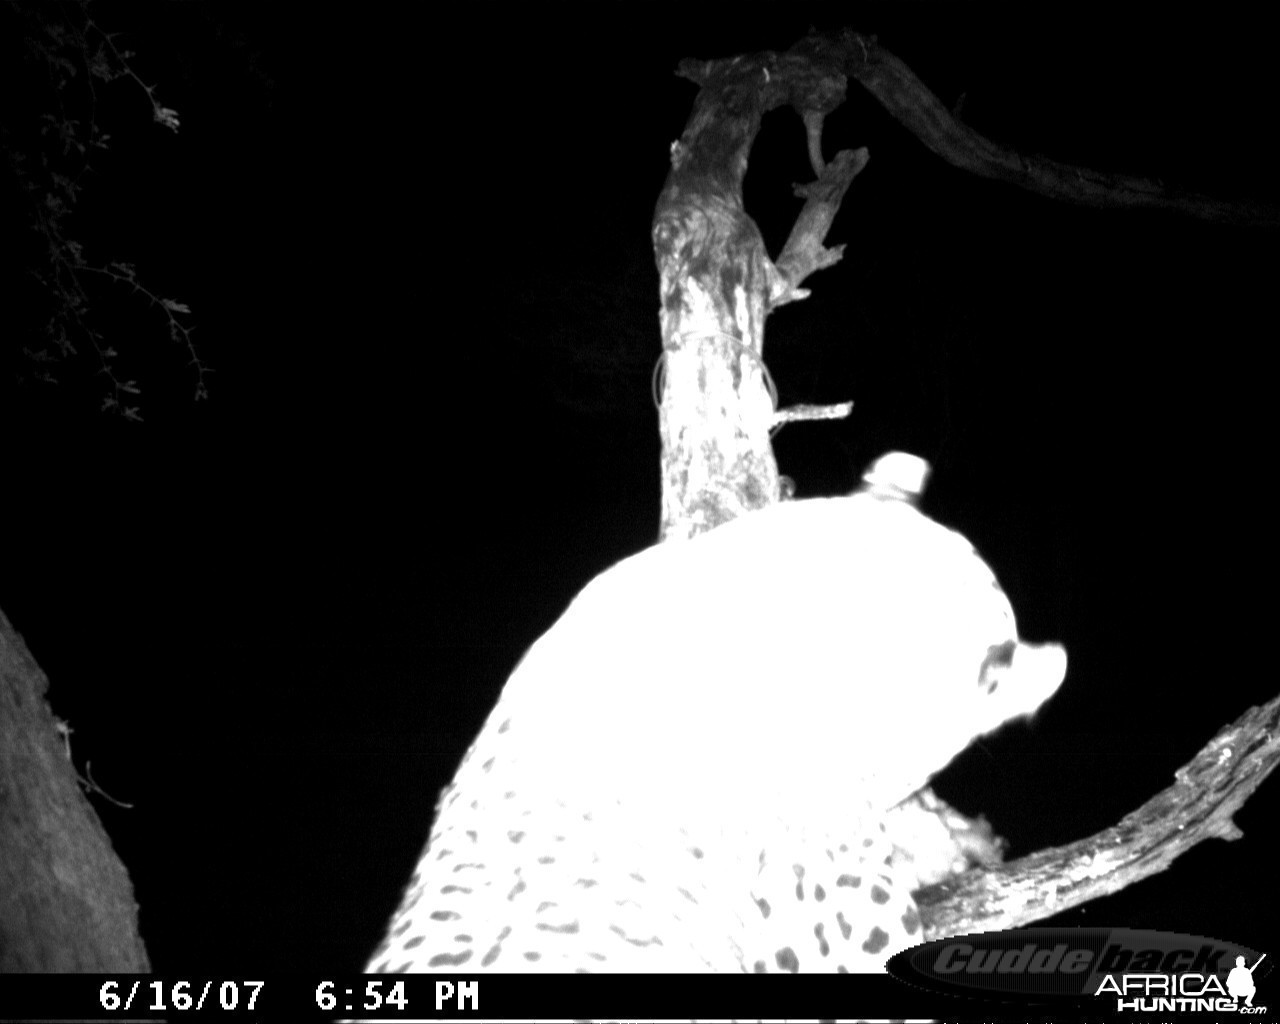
66	901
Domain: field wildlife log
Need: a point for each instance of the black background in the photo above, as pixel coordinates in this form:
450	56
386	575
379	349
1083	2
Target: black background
418	256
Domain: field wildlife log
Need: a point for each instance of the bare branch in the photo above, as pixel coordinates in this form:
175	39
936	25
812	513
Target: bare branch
909	100
796	413
1198	806
827	60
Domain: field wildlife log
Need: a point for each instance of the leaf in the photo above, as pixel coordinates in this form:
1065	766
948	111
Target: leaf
167	116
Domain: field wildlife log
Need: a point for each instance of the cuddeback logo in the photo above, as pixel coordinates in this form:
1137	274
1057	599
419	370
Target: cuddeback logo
1113	969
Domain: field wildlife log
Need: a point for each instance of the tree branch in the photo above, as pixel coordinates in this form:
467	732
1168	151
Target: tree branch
909	100
1198	806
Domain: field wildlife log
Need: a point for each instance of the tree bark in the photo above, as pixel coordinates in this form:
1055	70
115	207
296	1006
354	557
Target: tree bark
717	405
1199	805
66	901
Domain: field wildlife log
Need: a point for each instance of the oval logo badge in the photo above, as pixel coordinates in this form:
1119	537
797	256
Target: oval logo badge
1114	970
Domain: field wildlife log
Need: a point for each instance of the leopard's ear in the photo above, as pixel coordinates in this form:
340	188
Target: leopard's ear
896	476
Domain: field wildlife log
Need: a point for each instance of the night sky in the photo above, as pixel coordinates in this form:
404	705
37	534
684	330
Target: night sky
417	255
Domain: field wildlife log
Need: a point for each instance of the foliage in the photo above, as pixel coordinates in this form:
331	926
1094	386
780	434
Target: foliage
51	145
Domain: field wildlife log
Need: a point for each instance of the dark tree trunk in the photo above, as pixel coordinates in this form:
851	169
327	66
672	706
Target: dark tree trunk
66	901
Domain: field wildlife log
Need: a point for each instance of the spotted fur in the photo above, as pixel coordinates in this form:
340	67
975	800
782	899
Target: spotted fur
693	769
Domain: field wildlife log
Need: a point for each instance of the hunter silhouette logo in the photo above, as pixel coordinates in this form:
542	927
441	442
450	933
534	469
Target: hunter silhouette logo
1240	980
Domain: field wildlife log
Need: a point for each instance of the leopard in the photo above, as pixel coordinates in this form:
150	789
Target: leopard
700	765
